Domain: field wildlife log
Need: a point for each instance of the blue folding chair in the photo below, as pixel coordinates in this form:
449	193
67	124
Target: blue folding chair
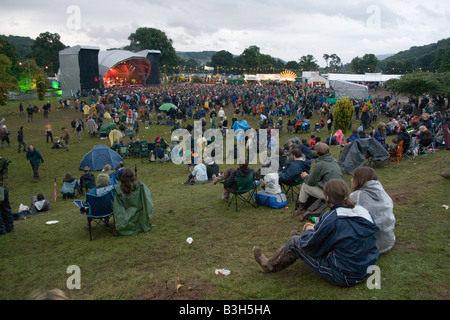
98	208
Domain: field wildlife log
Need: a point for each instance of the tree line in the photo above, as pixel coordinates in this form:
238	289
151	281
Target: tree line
17	69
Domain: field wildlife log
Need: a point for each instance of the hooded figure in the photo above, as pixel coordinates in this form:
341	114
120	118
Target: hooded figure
371	195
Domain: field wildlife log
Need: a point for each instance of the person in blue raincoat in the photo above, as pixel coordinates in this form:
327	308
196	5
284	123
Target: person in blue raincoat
340	247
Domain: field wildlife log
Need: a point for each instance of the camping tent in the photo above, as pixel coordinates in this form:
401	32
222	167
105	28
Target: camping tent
347	89
106	129
99	156
354	155
319	79
241	125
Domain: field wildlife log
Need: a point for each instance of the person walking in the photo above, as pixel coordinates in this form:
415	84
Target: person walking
79	129
65	137
34	157
20	140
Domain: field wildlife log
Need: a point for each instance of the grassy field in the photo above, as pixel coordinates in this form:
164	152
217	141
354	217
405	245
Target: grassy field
153	265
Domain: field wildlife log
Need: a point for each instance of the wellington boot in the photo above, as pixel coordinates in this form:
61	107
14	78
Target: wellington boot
279	261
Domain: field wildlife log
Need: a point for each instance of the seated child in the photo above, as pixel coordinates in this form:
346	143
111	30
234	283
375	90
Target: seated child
393	146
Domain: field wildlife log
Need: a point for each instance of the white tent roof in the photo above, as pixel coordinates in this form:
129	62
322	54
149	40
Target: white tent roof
319	78
367	77
108	59
349	89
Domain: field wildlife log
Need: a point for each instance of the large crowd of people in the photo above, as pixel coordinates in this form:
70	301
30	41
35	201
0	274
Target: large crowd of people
364	218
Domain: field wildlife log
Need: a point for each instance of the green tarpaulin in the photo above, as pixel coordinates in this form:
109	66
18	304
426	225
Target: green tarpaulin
132	212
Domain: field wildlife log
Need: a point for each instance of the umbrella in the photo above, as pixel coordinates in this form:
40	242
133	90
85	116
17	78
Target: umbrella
167	106
99	156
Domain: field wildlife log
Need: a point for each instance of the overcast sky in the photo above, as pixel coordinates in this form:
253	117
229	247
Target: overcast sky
286	29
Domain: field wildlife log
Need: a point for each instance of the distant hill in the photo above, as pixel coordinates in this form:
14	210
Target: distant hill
382	57
427	57
23	44
202	57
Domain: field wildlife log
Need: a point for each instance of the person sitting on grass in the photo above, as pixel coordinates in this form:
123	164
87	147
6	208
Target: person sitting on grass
339	247
132	205
370	194
69	186
39	203
199	173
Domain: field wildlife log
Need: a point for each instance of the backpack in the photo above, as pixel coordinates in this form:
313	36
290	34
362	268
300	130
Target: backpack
276	201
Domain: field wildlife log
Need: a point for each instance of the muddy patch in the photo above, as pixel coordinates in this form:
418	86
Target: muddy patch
185	290
402	197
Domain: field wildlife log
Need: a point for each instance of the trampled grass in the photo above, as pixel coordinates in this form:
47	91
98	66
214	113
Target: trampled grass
151	265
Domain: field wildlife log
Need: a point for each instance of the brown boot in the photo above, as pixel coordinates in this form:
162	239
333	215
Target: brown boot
300	209
279	261
217	179
445	175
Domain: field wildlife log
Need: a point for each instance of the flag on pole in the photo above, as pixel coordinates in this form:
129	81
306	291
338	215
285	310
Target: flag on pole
55	193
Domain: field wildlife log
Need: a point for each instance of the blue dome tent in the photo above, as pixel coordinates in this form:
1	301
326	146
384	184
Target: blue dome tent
99	156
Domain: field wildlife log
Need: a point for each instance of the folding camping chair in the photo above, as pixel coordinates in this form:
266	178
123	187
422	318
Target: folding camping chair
136	149
145	155
244	190
293	189
88	184
397	156
123	151
98	208
413	149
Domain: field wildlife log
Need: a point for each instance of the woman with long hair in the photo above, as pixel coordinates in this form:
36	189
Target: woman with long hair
369	193
339	247
133	205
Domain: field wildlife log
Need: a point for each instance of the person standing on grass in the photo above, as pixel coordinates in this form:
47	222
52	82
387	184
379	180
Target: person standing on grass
20	140
34	157
79	129
6	215
65	137
48	131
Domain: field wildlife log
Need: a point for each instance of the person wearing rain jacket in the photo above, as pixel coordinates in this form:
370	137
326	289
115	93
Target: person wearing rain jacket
369	193
340	247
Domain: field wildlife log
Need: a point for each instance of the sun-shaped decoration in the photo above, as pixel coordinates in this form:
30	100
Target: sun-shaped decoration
287	75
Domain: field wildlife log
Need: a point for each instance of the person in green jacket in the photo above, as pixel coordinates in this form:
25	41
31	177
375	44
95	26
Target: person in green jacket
34	157
325	168
132	205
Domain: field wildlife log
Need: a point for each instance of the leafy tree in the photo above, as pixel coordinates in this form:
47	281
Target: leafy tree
266	63
308	63
343	113
154	39
41	84
417	84
445	62
250	59
7	81
292	65
222	60
326	57
397	67
188	65
335	62
368	63
45	50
